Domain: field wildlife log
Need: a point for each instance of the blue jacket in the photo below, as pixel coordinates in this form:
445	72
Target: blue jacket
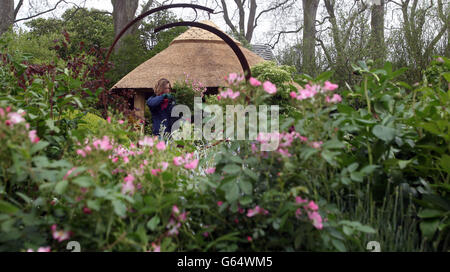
161	109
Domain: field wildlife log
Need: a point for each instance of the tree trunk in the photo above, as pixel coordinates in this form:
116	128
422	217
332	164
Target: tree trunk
378	52
309	36
6	15
447	49
123	13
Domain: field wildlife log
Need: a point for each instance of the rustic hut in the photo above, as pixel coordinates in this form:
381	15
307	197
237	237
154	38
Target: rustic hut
197	52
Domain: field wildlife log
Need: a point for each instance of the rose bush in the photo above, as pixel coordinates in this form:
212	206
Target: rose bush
349	164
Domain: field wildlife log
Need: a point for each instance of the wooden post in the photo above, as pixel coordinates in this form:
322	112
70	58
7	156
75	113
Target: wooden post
139	105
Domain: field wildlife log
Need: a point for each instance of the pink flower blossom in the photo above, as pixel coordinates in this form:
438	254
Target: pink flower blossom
178	161
60	235
33	137
229	94
312	206
129	178
316	218
161	146
175	209
155	172
293	95
210	170
232	78
269	87
164	166
308	92
254	82
303	139
284	152
191	165
335	99
156	248
125	159
173	232
316	145
15	118
114	160
103	144
249	239
128	185
2	112
255	211
69	172
121	122
328	86
108	119
234	95
41	249
81	153
300	200
147	141
219	203
182	216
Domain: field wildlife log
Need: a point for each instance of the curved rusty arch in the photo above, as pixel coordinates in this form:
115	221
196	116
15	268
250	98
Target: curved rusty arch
242	59
145	14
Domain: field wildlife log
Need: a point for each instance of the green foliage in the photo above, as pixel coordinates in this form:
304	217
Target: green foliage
92	27
280	75
37	47
372	167
186	91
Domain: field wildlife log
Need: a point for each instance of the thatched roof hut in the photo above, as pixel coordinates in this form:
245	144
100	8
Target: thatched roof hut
197	52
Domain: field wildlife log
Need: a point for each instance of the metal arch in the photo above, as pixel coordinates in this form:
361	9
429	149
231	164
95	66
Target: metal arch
223	36
145	14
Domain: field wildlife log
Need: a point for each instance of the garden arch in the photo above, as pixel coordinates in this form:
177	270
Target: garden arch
240	55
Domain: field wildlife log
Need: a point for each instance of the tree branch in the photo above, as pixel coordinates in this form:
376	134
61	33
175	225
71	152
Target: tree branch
251	18
227	17
281	33
41	13
269	10
16	10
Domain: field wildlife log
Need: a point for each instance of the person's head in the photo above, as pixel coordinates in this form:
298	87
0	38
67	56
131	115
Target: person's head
162	87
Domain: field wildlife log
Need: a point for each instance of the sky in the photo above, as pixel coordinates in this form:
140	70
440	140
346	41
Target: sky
261	34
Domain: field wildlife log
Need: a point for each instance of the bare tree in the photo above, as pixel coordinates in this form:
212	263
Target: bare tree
309	36
123	13
8	13
377	44
414	14
341	36
249	14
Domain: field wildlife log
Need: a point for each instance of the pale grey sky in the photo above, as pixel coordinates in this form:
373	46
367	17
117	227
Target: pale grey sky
261	34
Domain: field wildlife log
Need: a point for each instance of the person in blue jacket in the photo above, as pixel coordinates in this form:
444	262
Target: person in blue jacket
161	107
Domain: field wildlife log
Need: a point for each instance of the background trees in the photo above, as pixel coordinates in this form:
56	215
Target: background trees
312	35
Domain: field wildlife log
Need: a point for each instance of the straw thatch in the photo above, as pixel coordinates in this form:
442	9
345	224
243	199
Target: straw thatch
197	52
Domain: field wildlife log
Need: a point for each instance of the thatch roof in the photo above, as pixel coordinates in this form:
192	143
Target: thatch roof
197	52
